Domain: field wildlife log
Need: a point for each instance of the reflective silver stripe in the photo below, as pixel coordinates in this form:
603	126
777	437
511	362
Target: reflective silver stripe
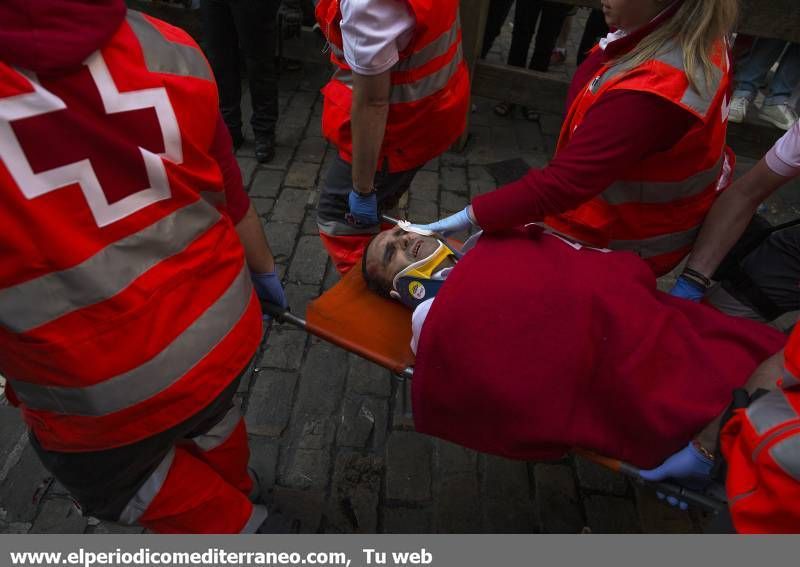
410	92
657	245
336	51
337	228
789	379
41	300
220	433
214	198
257	517
661	192
770	411
164	56
155	375
147	492
672	56
427	85
436	48
738	497
344	76
787	454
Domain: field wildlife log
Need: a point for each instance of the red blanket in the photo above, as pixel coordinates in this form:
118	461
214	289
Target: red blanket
532	348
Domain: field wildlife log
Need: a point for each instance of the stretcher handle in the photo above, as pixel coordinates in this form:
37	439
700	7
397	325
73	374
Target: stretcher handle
668	488
282	315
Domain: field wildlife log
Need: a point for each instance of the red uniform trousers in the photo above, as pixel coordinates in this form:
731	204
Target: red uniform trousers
190	479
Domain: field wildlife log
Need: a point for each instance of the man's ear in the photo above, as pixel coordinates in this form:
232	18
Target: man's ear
394	295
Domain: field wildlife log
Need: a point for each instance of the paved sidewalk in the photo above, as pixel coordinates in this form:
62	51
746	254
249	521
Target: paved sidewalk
328	429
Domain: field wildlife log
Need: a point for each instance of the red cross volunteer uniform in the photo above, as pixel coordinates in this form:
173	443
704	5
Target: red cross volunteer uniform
428	102
761	445
126	308
640	158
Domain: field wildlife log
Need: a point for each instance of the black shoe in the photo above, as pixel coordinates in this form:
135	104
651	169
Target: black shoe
277	523
265	149
238	139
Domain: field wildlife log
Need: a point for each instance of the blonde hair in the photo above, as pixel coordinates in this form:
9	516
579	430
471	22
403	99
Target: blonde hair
696	27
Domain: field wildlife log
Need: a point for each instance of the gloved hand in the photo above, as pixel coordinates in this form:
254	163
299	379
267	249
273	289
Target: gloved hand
364	208
268	288
449	225
687	289
688	467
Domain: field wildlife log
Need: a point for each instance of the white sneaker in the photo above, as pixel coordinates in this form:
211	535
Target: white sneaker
781	115
739	105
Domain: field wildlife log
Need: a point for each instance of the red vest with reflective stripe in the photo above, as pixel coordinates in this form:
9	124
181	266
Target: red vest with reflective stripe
762	447
655	209
430	87
125	302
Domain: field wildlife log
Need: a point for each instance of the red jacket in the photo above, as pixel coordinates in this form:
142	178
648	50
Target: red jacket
761	445
125	302
430	87
532	348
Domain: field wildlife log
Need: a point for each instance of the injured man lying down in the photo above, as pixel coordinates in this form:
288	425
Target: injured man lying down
528	346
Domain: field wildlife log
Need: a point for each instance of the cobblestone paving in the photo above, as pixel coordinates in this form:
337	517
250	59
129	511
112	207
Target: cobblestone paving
332	432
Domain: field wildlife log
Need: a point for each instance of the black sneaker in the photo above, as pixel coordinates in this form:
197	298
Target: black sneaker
265	149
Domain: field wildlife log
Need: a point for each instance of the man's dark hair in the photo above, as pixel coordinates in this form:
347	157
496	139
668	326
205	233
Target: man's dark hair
374	284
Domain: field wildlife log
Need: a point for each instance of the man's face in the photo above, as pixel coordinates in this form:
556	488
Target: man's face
394	250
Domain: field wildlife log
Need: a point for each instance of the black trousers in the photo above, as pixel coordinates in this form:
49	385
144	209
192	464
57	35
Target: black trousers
595	29
103	482
250	25
333	207
498	12
526	14
767	283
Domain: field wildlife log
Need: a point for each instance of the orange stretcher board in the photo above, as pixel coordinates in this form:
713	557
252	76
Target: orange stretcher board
352	317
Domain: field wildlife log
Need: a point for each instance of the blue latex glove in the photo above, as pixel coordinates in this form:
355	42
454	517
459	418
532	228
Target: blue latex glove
688	467
269	289
449	225
687	289
364	208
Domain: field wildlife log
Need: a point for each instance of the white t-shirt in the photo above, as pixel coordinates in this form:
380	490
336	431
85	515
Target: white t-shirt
374	32
784	157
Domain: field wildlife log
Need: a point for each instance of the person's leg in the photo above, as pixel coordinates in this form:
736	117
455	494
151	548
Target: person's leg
553	16
222	47
786	78
595	29
223	446
159	482
774	267
343	239
526	13
255	22
498	12
752	69
767	285
777	109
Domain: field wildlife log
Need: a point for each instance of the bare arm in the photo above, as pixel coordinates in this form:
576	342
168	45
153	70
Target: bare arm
765	377
730	215
368	115
256	248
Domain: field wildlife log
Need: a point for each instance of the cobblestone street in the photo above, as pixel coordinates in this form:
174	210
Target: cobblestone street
332	432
